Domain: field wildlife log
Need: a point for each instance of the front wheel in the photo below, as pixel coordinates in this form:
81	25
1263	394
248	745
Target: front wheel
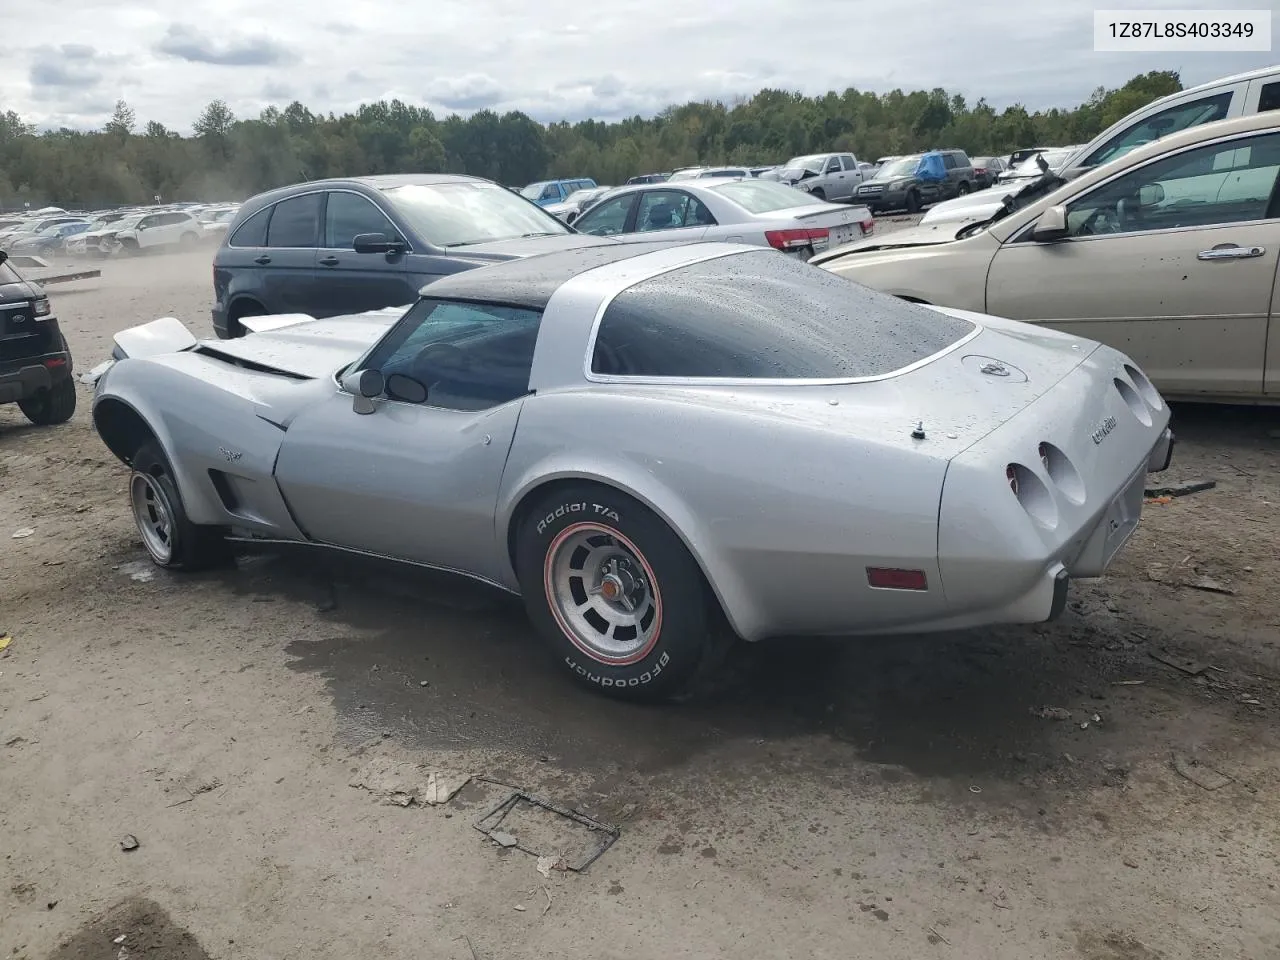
963	189
51	405
819	193
172	540
913	201
615	593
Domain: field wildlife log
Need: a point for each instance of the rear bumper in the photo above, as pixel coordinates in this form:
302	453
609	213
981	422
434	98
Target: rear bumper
20	379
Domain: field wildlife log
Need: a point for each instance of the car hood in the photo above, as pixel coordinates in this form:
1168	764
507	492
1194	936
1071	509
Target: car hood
19	292
307	348
497	250
920	236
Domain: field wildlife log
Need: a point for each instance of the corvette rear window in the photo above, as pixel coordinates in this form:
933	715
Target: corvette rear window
764	315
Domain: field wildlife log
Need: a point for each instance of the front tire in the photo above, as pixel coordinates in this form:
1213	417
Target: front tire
50	406
819	193
616	595
962	190
913	202
172	540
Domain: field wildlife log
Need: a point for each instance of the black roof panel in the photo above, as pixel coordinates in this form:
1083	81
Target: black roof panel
529	282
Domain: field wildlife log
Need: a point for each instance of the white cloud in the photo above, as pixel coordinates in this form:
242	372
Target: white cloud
551	59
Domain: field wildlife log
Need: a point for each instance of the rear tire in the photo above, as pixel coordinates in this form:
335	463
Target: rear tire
50	406
616	595
248	308
962	189
913	202
168	534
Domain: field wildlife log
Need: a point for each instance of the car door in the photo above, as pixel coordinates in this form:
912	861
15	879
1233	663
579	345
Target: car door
350	282
671	215
1173	262
610	217
417	479
852	175
289	258
832	179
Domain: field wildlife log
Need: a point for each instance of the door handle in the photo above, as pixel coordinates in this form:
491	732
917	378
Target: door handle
264	259
329	261
1228	252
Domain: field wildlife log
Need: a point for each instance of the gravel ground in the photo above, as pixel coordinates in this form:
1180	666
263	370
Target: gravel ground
912	795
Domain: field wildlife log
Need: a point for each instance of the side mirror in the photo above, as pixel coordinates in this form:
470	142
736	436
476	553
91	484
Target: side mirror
1149	194
364	385
376	243
1051	226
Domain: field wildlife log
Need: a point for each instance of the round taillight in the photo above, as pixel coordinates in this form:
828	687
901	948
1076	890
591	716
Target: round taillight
1011	473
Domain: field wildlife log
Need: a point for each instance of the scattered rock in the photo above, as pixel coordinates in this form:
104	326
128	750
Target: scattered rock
503	839
23	532
520	907
1052	713
1199	774
1130	863
129	842
1210	585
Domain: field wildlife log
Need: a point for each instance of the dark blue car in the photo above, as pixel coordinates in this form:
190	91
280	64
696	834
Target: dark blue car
333	247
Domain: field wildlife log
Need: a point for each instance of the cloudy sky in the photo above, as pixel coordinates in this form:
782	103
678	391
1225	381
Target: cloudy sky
554	59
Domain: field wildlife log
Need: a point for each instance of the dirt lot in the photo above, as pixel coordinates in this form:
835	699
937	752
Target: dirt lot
912	796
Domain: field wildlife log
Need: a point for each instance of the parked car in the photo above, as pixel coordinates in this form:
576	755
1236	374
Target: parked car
985	171
479	433
331	247
1023	155
737	210
554	191
95	240
216	221
35	363
1030	180
828	176
1257	91
576	203
161	230
1169	252
649	178
35	225
912	182
49	242
705	173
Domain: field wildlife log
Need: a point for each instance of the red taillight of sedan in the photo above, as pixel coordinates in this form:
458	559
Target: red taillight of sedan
788	240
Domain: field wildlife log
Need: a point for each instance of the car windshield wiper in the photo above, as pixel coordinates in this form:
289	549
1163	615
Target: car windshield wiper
541	233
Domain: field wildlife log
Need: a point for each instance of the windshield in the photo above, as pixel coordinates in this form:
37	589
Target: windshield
127	223
765	196
902	167
580	196
686	174
534	190
8	274
461	214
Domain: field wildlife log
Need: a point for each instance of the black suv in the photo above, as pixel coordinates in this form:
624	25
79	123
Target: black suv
333	247
35	364
899	185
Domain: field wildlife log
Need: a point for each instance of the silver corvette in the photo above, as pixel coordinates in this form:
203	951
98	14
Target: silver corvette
660	447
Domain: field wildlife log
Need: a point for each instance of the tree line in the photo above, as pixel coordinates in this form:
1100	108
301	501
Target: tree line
230	158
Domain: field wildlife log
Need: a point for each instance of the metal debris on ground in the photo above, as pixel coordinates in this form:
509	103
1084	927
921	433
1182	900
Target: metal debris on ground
503	839
129	842
402	783
1181	489
547	864
1209	585
1052	713
1192	668
606	833
5	640
1199	774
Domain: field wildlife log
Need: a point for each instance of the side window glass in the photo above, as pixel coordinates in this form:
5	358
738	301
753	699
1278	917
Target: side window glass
253	232
1269	99
1181	117
848	162
295	222
697	214
607	218
949	161
348	215
661	210
1216	184
550	192
833	165
468	356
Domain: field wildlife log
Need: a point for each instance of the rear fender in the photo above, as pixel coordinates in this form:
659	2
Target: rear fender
735	599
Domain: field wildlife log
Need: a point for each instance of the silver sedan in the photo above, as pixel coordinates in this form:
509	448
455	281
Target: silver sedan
733	210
